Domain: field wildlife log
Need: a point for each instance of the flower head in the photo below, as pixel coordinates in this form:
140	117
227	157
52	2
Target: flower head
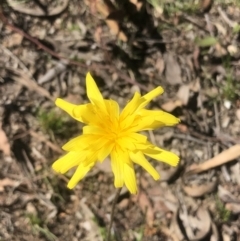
111	132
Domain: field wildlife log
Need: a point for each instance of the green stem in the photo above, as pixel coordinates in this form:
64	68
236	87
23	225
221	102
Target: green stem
112	214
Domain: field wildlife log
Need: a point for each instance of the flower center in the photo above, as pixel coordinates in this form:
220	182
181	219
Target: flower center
113	130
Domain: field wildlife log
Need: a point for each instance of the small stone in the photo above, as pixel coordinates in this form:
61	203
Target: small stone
227	104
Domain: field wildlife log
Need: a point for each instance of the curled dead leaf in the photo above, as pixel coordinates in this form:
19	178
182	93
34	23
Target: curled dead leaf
197	225
22	7
175	228
200	190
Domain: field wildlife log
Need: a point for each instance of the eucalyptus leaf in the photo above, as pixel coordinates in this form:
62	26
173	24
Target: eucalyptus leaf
206	42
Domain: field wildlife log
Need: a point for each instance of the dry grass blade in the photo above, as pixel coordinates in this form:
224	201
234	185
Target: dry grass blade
224	157
48	143
24	80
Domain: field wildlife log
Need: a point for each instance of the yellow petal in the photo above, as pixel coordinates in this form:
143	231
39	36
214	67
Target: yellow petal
131	106
140	159
93	130
130	178
66	106
137	103
162	155
66	162
105	151
149	96
83	113
79	143
150	120
79	174
117	166
93	92
99	149
127	143
161	116
94	95
130	141
112	109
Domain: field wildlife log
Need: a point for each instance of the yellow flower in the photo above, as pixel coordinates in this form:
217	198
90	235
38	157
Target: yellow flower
109	132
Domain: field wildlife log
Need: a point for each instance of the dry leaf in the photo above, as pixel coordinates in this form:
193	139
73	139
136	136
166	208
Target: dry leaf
106	8
137	3
226	196
89	224
167	174
114	26
7	182
163	199
23	79
37	11
232	50
224	157
200	190
105	166
146	207
215	234
235	170
219	50
4	144
233	207
205	5
238	114
198	225
160	65
98	34
175	228
13	40
221	29
183	128
183	94
168	233
171	105
172	69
